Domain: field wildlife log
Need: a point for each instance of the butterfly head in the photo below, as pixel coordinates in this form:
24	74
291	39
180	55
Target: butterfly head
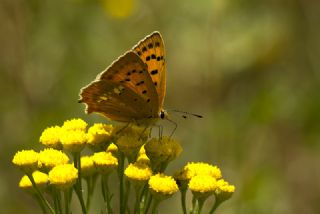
163	114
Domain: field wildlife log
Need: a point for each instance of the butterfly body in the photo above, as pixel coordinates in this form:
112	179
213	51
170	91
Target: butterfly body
132	88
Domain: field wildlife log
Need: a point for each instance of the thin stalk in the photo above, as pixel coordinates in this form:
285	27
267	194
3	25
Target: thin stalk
41	204
106	193
148	202
78	185
67	201
127	193
200	205
183	200
121	187
155	206
215	206
91	182
138	191
44	201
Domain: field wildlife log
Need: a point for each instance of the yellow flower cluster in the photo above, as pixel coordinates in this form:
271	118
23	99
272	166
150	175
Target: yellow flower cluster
105	162
27	160
99	135
63	176
147	161
162	186
138	172
41	180
203	180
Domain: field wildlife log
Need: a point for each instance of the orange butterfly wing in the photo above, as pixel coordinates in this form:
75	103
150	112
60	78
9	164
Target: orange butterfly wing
152	52
123	92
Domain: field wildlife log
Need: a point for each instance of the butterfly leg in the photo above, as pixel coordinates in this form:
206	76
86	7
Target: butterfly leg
123	128
160	127
144	130
175	126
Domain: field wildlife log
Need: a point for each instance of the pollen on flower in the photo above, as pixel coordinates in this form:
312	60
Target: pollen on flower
87	166
63	176
199	168
163	184
27	160
41	179
203	184
73	140
50	137
99	134
138	172
105	162
75	124
49	158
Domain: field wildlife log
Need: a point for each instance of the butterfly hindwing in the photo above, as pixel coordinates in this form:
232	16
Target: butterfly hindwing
152	52
123	92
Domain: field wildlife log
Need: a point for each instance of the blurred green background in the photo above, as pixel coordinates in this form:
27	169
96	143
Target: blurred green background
251	68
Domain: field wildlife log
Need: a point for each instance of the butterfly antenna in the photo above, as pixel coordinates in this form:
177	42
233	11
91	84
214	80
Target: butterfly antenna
184	114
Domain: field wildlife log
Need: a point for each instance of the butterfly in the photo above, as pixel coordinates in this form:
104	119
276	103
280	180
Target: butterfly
133	87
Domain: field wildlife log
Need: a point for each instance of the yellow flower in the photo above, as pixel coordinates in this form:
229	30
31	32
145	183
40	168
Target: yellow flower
202	185
138	173
99	135
27	160
224	190
113	149
75	124
74	140
40	178
50	137
199	168
130	140
63	176
162	151
162	186
143	158
105	162
49	158
87	166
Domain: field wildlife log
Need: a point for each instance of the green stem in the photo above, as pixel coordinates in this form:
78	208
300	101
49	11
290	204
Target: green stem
148	202
78	185
138	191
200	204
121	187
41	204
183	200
40	195
67	201
215	205
194	205
127	193
106	192
91	182
155	206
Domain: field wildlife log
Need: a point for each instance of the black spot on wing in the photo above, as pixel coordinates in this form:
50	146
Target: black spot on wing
153	72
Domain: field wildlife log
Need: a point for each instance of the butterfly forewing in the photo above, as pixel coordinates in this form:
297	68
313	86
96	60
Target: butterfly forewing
151	51
123	92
